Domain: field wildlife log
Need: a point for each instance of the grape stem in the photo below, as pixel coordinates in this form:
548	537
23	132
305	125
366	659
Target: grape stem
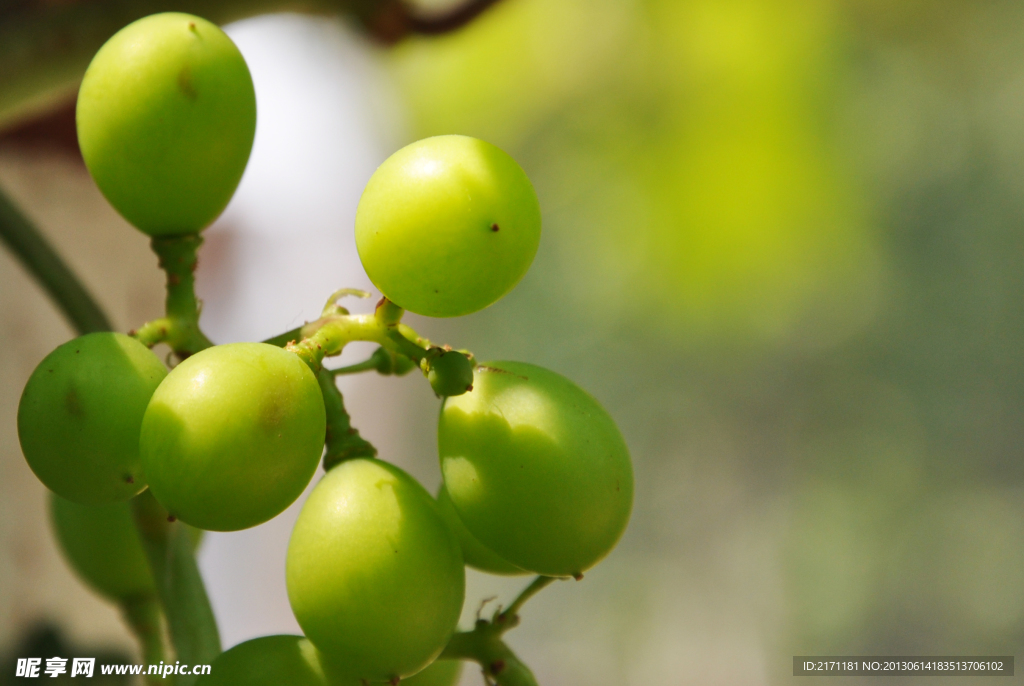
179	585
343	442
143	615
367	365
190	620
512	613
484	644
179	328
382	361
53	274
330	334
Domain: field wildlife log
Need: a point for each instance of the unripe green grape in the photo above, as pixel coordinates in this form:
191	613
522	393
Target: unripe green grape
390	363
272	661
451	373
233	435
101	543
447	225
166	116
536	468
80	414
375	577
439	673
475	553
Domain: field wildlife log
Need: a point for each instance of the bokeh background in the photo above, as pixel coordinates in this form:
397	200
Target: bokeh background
783	244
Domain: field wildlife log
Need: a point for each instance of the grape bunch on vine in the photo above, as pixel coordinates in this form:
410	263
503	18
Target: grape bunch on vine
141	459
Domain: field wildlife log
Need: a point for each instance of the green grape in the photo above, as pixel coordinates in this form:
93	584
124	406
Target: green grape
476	554
451	373
535	468
166	117
387	362
375	577
447	226
233	435
80	413
272	661
439	673
102	545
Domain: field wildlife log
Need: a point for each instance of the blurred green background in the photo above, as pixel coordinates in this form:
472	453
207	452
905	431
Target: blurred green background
784	245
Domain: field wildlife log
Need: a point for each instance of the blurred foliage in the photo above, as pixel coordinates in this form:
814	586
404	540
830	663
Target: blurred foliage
684	150
784	244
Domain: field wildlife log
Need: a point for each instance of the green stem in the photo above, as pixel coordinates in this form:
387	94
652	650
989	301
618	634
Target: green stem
343	441
329	335
484	646
382	361
512	613
367	365
153	332
180	327
168	545
40	259
190	620
143	615
388	314
332	301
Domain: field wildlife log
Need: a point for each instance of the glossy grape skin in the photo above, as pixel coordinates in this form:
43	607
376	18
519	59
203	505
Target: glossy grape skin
101	543
233	435
439	673
475	553
272	661
80	415
375	577
447	225
166	116
536	468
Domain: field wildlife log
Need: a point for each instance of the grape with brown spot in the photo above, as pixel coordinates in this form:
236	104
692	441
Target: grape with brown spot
80	415
233	435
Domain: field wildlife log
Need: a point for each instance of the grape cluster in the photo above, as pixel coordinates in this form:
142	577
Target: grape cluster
536	476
